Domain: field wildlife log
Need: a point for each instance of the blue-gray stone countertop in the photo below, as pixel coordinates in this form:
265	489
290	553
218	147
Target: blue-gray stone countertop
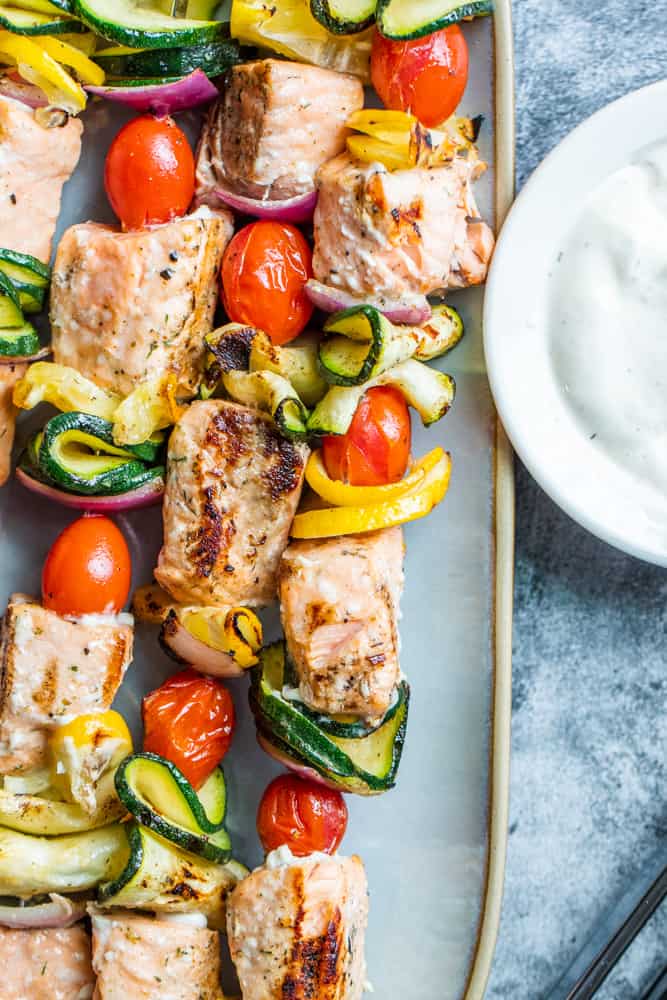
588	803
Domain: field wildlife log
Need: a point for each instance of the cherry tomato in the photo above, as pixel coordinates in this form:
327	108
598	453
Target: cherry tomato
88	569
426	76
376	448
149	175
303	815
264	271
190	721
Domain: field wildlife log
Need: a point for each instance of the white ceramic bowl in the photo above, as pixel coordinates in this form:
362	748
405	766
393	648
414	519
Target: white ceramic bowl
573	469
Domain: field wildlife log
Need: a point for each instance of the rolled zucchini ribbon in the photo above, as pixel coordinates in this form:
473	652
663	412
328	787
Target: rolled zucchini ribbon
361	343
429	391
361	349
75	452
244	364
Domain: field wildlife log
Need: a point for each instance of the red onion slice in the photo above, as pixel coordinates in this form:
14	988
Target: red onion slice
24	359
58	912
18	90
144	496
292	765
196	653
298	209
332	300
161	98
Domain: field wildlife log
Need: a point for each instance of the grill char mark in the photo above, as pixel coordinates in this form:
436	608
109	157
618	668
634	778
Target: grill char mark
313	972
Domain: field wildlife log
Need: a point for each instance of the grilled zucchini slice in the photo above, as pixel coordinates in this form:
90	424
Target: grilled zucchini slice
144	25
362	343
428	390
29	22
296	361
31	865
366	766
160	796
214	58
11	314
158	876
19	341
404	19
77	453
272	393
23	268
344	17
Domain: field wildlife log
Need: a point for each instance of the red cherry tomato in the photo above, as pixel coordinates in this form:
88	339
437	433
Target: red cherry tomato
303	815
190	721
376	448
426	76
88	569
264	271
149	174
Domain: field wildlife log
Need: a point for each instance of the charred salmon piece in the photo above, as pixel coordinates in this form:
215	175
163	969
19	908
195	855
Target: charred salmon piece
402	233
35	162
126	307
141	958
9	376
275	124
52	964
233	486
52	668
296	928
339	605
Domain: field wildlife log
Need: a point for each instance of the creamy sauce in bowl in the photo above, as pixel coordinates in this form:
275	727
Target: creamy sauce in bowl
607	319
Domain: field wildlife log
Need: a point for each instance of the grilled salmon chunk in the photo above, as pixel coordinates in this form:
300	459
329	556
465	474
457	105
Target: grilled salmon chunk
233	485
35	162
339	604
9	376
141	958
52	964
52	669
275	124
296	928
402	233
126	307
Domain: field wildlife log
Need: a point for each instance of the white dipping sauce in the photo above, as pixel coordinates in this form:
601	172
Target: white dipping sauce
608	319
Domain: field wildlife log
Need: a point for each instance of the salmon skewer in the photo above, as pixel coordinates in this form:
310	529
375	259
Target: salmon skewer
52	964
35	162
126	307
296	928
136	957
339	604
399	234
233	486
276	123
51	669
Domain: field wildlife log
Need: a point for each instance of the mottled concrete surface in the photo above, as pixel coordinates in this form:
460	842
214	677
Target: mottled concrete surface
588	797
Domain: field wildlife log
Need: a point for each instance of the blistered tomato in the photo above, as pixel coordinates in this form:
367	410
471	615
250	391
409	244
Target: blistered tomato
376	448
264	274
190	721
302	815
